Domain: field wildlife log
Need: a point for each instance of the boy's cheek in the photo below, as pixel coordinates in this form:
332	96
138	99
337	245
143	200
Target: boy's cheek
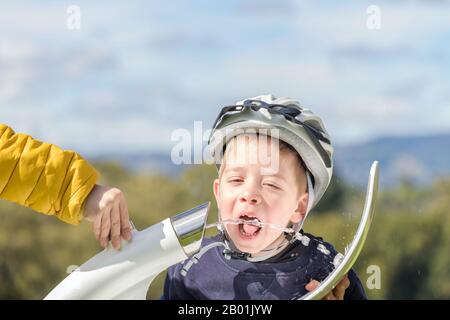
224	211
225	203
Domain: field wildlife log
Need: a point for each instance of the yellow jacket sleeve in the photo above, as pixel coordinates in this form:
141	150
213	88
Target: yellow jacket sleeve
44	177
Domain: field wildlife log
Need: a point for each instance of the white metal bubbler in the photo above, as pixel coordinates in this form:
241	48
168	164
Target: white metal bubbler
128	273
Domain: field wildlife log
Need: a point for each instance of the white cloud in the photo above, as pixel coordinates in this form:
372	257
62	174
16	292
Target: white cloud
336	26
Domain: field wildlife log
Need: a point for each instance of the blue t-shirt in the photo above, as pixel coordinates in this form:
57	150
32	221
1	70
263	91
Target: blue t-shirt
281	277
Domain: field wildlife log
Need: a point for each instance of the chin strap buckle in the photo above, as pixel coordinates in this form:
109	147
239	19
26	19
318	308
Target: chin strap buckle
302	238
227	253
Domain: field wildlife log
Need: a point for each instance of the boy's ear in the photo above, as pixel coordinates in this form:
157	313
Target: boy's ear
216	190
300	212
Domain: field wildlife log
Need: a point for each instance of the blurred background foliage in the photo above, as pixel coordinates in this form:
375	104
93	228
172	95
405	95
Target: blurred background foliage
409	240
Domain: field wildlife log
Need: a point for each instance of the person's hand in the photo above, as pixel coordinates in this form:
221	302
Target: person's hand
336	294
107	209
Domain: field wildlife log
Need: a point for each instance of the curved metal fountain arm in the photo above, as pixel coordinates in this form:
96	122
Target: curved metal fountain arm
355	247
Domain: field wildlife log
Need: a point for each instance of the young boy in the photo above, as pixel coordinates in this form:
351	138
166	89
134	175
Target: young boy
271	258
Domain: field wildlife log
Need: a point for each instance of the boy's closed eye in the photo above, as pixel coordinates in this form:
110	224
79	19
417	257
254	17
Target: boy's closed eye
272	185
275	181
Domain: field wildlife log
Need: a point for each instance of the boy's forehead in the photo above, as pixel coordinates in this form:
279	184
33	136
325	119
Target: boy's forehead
251	146
263	151
243	144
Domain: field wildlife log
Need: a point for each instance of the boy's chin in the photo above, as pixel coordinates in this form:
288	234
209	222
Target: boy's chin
252	246
248	249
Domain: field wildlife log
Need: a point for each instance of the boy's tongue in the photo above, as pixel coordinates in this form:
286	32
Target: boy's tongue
250	229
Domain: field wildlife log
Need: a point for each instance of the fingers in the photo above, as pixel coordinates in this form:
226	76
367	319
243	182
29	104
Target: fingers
105	227
115	226
125	227
336	294
107	209
339	290
330	296
313	284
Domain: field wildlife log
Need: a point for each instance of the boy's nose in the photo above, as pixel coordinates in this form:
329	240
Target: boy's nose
251	197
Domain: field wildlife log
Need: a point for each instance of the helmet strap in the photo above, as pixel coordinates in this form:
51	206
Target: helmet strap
298	226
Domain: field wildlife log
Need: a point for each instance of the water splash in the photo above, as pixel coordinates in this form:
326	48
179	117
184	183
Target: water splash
251	222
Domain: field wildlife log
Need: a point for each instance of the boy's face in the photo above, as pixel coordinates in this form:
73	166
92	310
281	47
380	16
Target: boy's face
249	188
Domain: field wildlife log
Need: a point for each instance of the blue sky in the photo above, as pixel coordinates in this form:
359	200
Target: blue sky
137	70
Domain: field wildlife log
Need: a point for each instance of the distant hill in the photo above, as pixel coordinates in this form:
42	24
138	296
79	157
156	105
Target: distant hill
143	162
419	160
